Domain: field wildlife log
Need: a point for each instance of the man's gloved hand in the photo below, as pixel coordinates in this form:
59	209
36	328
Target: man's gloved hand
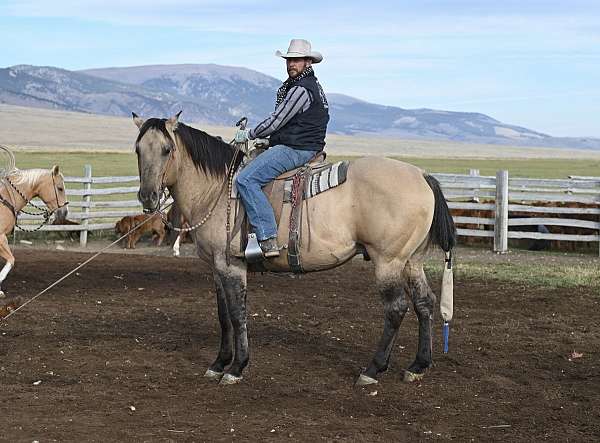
261	143
241	135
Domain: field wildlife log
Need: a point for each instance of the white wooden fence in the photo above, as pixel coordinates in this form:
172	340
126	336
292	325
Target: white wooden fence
96	203
501	195
101	201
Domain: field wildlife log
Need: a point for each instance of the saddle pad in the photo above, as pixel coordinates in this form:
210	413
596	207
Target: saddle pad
320	180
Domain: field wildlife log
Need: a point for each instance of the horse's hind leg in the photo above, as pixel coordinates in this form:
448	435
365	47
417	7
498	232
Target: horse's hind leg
215	371
423	300
395	306
7	255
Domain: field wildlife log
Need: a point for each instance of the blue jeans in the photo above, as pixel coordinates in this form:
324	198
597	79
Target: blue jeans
259	172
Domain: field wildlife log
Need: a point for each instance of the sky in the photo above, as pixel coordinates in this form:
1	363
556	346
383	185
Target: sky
531	63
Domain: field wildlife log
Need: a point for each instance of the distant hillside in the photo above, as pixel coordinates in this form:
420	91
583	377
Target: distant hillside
219	95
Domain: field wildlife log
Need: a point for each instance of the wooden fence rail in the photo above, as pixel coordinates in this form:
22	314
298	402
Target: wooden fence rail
98	202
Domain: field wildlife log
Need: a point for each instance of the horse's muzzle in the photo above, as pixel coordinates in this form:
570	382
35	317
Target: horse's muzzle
148	199
61	213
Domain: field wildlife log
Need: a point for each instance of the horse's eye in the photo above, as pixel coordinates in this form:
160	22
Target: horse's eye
60	188
167	149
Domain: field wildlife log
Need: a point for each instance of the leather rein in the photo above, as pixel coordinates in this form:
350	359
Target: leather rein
44	212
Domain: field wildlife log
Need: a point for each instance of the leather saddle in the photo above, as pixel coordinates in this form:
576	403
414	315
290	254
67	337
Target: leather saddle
291	187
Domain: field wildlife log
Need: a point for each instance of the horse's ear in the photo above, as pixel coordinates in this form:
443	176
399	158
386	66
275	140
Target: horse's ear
55	170
137	120
173	121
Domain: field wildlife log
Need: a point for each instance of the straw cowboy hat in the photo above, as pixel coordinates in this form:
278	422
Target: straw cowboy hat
301	48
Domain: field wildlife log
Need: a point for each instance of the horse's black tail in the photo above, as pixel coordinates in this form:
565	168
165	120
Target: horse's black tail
442	231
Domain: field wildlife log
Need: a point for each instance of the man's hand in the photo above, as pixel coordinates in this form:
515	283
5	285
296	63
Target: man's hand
241	135
261	143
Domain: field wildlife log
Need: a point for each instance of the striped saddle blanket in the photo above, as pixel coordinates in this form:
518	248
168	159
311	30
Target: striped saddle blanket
320	180
323	176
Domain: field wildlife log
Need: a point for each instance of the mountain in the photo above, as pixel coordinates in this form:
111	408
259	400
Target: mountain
220	95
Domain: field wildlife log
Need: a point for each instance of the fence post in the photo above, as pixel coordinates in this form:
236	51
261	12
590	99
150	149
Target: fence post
475	173
501	222
87	199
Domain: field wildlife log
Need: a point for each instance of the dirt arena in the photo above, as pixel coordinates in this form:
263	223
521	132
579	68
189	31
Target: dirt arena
117	353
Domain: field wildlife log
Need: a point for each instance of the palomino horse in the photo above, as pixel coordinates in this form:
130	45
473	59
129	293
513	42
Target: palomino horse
391	209
18	188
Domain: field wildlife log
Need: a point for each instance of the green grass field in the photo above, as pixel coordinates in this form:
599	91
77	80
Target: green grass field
552	275
72	164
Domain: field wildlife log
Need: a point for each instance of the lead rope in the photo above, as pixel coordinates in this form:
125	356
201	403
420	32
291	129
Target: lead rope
14	311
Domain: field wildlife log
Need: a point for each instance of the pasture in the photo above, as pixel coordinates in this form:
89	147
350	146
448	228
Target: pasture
117	163
117	352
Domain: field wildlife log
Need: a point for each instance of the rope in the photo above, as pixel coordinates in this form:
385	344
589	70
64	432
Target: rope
226	184
7	161
77	268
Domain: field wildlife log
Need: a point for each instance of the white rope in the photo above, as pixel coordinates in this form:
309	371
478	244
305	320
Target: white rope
7	161
78	267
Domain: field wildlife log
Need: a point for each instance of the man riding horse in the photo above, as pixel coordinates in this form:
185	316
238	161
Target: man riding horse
296	131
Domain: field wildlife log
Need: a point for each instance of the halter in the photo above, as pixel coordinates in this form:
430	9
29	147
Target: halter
44	212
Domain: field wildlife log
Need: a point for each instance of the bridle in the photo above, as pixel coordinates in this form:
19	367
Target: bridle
43	211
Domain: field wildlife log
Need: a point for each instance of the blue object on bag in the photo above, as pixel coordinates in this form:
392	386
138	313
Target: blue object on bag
446	333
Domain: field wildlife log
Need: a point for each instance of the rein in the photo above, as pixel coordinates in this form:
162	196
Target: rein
44	212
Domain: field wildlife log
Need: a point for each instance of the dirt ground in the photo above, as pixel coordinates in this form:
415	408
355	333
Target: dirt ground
117	353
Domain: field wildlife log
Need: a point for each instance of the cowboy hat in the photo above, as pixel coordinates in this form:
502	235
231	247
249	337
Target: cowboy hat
301	48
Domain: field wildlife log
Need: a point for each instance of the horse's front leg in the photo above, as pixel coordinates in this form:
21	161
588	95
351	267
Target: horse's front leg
234	286
7	255
215	371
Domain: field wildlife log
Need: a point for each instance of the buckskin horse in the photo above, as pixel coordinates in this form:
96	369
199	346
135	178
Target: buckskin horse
391	210
18	188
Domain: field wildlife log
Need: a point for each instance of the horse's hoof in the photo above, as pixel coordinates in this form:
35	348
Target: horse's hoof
213	375
365	380
410	377
229	379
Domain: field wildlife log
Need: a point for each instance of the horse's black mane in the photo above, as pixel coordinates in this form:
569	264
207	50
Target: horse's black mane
211	154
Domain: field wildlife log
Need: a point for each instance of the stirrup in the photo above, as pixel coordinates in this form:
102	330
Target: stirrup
253	252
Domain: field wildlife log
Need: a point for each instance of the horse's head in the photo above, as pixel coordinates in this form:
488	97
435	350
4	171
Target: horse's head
52	192
157	159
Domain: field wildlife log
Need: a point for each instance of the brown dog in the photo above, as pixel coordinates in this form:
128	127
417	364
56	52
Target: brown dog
154	227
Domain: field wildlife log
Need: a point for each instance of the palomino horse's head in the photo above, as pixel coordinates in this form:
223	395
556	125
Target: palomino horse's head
51	189
157	158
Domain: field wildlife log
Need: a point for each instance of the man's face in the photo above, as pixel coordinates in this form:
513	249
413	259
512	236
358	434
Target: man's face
296	65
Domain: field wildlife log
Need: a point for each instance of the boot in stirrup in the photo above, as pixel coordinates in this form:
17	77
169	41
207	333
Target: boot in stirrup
269	247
